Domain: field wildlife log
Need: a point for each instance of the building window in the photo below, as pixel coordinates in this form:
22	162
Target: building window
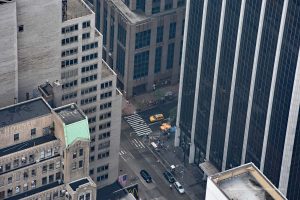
73	165
33	132
172	30
103	155
9	180
69	52
68	29
158	54
159	34
168	4
86	24
142	39
80	164
105	106
69	40
21	28
89	78
16	137
88	100
45	169
106	84
51	178
92	158
80	152
104	125
140	5
91	120
122	34
86	35
74	155
44	181
91	171
89	68
120	60
105	95
90	46
51	166
170	57
89	57
141	61
155	6
33	173
104	135
180	3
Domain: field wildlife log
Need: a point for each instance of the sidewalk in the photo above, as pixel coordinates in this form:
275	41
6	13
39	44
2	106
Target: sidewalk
146	100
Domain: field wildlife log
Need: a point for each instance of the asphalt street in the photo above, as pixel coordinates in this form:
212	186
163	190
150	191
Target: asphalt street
135	155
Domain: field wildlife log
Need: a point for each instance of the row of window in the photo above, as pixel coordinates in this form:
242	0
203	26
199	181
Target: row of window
33	184
105	116
106	84
67	63
86	24
80	165
104	135
104	125
46	130
102	178
89	111
68	29
88	100
86	35
104	145
49	167
105	95
69	40
100	169
69	96
105	105
89	57
88	90
89	68
69	52
69	84
90	46
89	78
103	155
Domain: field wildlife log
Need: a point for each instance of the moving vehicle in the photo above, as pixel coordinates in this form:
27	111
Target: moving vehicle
146	176
165	127
156	118
170	178
179	187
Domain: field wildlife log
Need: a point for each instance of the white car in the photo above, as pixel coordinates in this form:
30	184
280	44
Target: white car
179	187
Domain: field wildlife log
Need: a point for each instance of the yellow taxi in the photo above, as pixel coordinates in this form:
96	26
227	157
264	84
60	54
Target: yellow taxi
165	127
156	118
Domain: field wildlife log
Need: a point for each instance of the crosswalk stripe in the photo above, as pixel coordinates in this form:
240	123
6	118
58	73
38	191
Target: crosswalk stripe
138	124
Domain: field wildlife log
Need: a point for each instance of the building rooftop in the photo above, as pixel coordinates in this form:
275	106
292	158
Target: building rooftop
27	144
77	8
36	190
23	111
246	182
106	71
76	184
70	114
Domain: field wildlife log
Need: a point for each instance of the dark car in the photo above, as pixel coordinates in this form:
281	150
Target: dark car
170	178
146	176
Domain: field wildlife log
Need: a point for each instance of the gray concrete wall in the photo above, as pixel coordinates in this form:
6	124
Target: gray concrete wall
8	54
38	44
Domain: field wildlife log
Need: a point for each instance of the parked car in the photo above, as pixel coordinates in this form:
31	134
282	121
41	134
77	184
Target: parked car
170	178
146	176
156	118
179	187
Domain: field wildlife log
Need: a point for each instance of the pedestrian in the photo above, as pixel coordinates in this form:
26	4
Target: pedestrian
171	187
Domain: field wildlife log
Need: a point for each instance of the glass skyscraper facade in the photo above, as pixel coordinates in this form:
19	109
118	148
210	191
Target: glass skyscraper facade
239	92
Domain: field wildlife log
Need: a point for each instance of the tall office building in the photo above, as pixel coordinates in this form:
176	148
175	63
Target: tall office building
89	81
71	49
142	41
44	152
239	92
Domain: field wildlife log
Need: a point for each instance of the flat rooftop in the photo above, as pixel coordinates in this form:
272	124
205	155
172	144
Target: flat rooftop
246	182
106	71
133	17
76	184
69	113
23	111
77	8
